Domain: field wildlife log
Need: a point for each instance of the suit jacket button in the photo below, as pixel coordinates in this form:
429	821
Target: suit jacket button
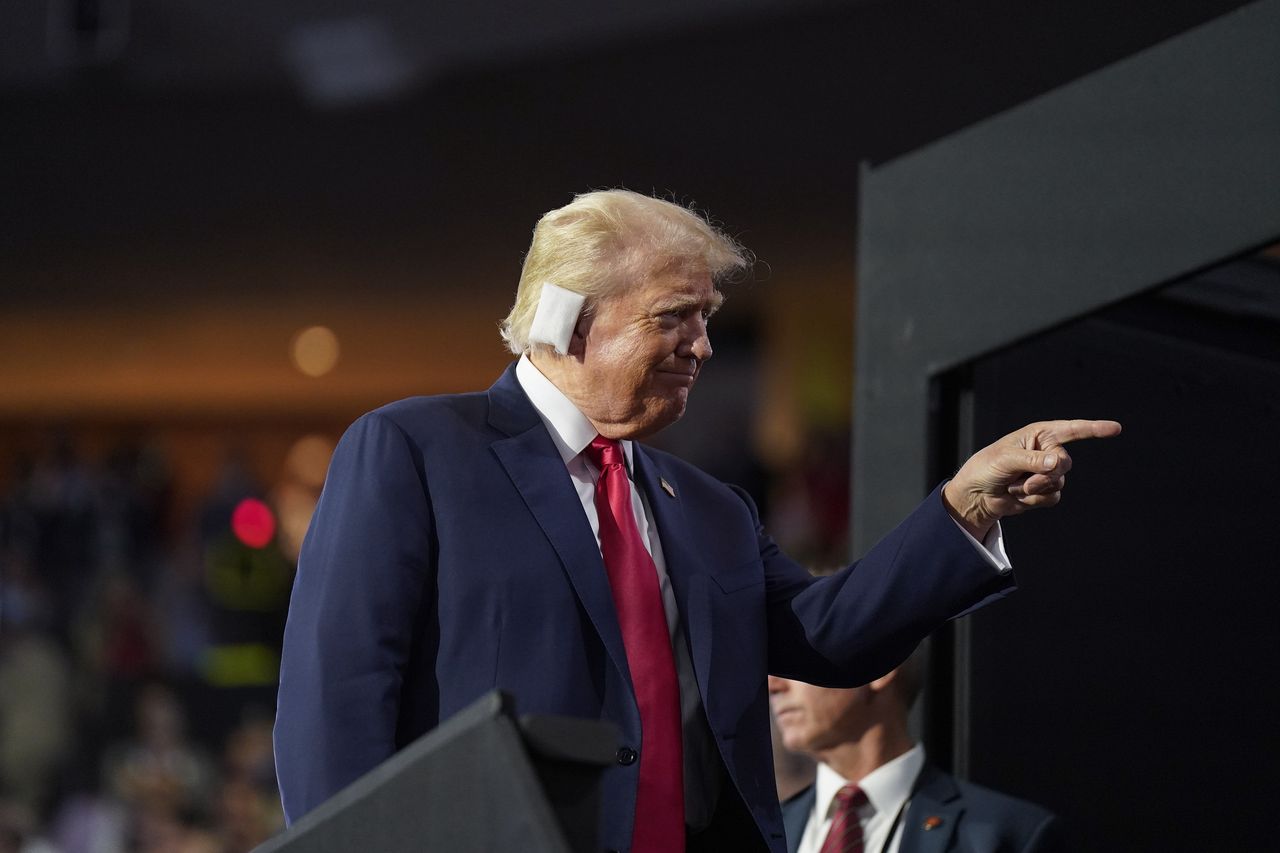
626	756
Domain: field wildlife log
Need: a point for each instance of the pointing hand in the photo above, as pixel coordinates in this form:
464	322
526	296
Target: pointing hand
1027	469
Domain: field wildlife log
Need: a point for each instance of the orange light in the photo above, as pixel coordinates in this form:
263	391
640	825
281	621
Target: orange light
315	350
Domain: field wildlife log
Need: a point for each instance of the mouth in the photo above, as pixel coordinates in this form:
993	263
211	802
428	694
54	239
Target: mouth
682	374
677	377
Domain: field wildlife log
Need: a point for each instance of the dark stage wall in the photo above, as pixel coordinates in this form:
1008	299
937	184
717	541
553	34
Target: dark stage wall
1130	684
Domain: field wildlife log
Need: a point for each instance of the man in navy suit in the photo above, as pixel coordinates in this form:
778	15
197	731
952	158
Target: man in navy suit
459	546
859	737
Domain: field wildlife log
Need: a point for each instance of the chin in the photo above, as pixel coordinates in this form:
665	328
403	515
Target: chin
669	415
659	411
794	743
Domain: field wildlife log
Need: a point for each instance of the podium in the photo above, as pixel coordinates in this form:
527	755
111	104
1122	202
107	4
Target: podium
481	781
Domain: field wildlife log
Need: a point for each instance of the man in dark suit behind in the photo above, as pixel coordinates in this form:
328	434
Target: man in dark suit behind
520	538
860	739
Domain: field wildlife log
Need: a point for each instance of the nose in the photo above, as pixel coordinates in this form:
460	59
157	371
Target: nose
702	348
699	342
777	685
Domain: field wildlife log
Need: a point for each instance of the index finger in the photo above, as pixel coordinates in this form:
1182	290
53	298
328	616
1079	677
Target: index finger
1061	432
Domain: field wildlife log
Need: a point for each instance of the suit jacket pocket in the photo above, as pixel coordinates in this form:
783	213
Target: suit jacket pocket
740	576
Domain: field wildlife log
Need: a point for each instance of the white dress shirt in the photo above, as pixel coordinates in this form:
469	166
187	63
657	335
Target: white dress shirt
888	788
571	432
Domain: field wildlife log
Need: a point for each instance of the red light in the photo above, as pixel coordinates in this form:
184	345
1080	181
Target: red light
253	523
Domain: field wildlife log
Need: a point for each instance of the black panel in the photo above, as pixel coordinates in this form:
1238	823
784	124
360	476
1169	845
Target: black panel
478	782
1130	684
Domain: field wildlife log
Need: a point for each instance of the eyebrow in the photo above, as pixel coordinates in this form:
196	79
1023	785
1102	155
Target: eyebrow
679	303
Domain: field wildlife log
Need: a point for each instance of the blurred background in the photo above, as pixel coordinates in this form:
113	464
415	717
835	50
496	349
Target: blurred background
226	231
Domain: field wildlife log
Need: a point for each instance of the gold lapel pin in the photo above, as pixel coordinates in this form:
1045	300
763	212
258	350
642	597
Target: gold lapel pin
932	822
666	487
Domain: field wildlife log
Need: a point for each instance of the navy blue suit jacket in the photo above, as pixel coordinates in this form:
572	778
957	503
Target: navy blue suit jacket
961	818
449	555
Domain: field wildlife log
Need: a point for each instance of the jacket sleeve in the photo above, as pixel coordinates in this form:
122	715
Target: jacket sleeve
362	576
852	627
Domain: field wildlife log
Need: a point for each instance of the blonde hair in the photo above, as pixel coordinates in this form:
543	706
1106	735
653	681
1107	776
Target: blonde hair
606	240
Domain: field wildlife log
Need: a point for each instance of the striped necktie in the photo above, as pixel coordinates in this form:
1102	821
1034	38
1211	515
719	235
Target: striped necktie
845	835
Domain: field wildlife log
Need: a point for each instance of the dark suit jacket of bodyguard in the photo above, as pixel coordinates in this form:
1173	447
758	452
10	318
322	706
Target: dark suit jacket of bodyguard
965	819
449	555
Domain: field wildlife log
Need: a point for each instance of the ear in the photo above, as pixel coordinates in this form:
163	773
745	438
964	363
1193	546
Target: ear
882	683
578	340
556	317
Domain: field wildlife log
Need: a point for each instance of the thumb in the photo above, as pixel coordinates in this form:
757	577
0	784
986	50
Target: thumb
1018	461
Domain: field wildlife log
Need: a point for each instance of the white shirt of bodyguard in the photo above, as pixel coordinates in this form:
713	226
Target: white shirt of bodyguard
888	788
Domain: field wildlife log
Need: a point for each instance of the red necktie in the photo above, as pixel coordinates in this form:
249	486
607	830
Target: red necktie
659	816
845	835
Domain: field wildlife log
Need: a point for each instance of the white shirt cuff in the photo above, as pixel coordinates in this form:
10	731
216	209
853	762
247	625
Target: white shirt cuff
991	547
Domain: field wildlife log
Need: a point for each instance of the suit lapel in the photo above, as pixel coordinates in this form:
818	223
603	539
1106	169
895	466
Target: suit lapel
795	816
538	473
668	514
934	814
680	556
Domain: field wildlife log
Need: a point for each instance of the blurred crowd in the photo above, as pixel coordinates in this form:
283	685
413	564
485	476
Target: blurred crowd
139	640
137	655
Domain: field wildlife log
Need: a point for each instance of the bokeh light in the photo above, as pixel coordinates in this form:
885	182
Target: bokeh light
253	523
295	496
297	504
315	350
308	460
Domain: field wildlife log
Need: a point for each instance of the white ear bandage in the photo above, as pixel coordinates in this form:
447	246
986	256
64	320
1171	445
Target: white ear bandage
556	317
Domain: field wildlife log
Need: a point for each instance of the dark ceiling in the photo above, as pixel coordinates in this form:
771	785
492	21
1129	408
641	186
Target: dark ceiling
382	120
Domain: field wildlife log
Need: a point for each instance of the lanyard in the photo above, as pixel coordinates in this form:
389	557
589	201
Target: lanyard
893	827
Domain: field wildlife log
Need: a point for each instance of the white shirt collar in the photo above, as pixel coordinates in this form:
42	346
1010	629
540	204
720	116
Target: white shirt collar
569	428
887	787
